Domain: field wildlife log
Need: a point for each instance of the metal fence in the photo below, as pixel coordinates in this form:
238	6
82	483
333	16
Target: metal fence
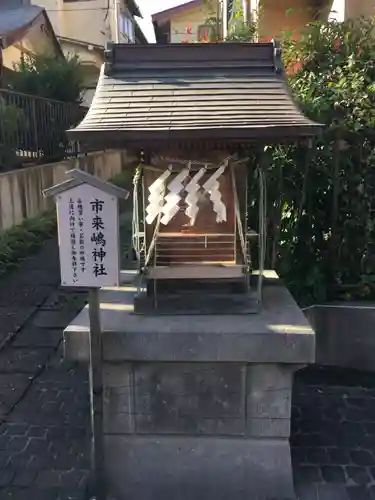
32	129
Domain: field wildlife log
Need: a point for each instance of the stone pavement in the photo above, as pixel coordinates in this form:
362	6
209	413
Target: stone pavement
333	434
44	404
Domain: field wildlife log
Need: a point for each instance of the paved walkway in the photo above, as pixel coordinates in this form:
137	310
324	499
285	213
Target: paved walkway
44	407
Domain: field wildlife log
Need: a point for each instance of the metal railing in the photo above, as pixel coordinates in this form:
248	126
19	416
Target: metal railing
32	129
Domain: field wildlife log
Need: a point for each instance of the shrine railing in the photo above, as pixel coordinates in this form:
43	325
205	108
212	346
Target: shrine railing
32	129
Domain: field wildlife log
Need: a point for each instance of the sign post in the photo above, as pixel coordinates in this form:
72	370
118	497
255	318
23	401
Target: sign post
96	396
88	230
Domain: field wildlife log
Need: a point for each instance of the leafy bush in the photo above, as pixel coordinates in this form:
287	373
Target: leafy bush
21	241
326	241
321	200
47	76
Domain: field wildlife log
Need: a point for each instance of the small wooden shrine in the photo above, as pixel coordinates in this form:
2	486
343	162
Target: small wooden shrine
198	118
199	404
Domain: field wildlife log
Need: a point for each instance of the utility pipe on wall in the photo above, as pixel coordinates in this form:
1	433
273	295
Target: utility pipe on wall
116	19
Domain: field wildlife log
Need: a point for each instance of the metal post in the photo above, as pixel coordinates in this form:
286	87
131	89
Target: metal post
225	19
96	396
1	62
245	11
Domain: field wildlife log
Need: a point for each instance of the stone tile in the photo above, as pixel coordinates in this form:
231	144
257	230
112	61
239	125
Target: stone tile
331	492
358	493
37	337
17	444
42	277
24	479
3	458
6	477
12	387
53	319
317	456
362	457
60	299
45	436
11	320
31	494
14	429
307	474
24	294
36	445
72	494
21	360
49	478
19	460
74	478
339	456
333	474
306	492
37	431
358	475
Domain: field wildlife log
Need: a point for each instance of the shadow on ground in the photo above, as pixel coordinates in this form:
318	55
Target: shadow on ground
44	404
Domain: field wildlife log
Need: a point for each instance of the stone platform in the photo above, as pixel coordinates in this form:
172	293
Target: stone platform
198	405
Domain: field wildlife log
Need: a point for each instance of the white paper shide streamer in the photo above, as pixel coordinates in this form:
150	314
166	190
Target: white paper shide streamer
155	199
212	187
191	199
173	198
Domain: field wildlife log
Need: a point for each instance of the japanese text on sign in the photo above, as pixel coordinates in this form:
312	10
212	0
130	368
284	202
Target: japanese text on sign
88	237
98	253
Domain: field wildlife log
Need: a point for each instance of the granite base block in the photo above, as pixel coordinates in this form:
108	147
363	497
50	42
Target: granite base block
197	407
192	468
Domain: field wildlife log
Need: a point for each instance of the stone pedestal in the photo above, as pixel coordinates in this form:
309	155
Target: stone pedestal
198	407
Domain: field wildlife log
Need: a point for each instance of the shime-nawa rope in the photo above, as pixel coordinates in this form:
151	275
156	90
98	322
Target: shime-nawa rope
138	248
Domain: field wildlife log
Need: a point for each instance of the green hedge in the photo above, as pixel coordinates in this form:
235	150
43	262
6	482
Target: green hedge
22	241
19	242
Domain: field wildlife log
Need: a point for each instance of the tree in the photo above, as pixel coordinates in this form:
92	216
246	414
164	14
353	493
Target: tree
332	77
47	76
321	201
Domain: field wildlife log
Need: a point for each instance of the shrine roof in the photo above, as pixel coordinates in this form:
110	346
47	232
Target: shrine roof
190	92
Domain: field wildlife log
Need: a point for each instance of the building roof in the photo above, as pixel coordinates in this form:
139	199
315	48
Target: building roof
165	15
82	43
227	91
133	8
77	178
16	23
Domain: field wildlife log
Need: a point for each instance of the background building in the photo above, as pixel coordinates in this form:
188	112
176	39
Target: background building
25	29
83	28
187	22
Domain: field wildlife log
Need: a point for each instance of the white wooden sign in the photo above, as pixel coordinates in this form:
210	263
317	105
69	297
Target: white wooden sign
88	228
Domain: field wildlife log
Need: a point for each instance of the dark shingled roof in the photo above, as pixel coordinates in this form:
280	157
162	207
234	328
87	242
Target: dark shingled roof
229	91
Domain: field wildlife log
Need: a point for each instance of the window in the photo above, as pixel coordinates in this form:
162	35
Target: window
126	28
205	32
